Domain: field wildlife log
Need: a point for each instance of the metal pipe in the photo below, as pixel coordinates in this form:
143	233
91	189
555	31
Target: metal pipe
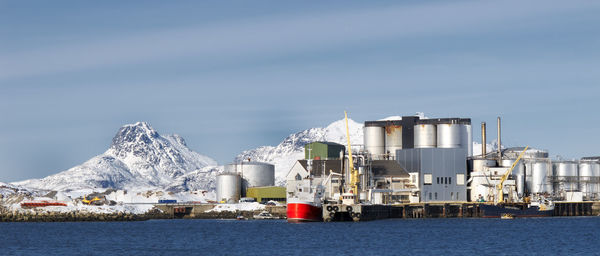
483	140
499	140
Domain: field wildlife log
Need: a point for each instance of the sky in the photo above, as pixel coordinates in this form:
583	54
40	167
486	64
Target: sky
234	75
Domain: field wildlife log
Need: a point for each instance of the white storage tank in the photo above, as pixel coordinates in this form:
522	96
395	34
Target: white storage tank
425	136
449	135
480	163
587	173
467	138
228	187
254	174
566	175
538	170
374	140
393	139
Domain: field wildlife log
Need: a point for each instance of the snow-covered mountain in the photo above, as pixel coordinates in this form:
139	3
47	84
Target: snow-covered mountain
284	155
10	189
138	158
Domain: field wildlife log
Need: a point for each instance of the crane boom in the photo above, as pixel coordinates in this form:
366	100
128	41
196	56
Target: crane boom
500	185
353	172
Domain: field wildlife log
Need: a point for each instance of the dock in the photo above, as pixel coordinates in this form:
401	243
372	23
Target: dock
367	212
202	211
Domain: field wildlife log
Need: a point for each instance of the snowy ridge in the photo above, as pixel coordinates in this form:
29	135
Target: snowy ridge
138	159
284	155
9	189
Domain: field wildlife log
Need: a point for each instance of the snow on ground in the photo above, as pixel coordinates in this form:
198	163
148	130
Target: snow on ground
238	207
136	202
79	207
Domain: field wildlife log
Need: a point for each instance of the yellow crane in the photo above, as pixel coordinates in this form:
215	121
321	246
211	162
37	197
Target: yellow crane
500	185
353	172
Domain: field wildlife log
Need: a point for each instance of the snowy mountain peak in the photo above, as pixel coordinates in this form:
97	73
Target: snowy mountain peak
138	133
139	157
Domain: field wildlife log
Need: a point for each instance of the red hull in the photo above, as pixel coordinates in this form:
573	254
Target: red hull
303	212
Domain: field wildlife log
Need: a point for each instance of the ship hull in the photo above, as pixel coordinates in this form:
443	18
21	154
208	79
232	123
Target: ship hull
303	212
496	211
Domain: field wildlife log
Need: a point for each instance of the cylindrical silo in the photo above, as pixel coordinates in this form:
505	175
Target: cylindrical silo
566	176
449	135
425	136
593	182
518	173
374	139
228	187
586	174
393	139
467	139
256	174
539	176
479	164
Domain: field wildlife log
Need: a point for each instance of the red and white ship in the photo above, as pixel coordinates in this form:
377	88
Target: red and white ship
304	201
299	210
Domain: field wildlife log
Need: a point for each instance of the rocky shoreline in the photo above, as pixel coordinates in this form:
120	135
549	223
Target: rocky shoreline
77	216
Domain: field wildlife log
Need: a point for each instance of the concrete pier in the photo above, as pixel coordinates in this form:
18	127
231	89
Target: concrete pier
202	211
359	212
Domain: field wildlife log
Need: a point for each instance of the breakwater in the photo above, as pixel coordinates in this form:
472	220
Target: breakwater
76	216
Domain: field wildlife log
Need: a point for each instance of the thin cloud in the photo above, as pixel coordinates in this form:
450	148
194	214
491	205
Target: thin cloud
279	35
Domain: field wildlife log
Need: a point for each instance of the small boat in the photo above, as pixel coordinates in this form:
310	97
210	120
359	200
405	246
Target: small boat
541	208
507	216
240	217
264	215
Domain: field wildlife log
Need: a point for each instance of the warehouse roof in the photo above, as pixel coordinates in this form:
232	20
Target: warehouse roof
388	168
327	143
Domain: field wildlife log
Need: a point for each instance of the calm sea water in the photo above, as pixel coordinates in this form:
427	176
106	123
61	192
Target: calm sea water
543	236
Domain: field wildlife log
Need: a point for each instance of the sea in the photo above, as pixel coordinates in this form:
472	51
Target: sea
470	236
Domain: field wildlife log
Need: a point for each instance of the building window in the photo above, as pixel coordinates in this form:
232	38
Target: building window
427	179
435	195
449	180
429	195
438	180
451	195
445	180
460	179
298	177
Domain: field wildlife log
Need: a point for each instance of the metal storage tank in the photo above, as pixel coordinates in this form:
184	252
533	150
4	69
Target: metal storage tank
479	164
228	187
393	139
586	174
539	169
449	135
425	136
595	178
467	139
565	173
375	141
518	173
254	174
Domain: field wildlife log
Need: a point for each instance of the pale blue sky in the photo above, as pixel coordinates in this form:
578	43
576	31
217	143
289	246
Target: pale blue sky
230	76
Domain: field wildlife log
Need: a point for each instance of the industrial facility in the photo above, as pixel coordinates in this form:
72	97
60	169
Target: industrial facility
248	179
424	161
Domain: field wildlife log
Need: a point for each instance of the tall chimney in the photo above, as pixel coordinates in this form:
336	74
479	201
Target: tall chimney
483	140
499	140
